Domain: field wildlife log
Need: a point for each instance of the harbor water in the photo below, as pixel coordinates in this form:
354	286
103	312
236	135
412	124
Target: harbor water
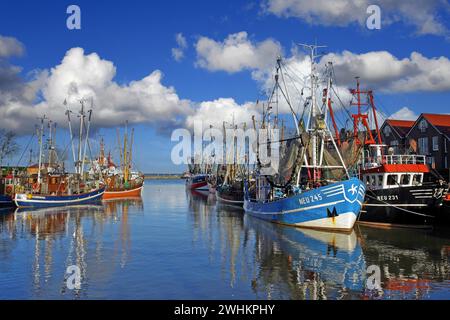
177	244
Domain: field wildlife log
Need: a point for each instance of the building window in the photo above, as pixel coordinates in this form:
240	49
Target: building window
380	180
423	145
387	131
373	182
435	143
430	161
423	125
394	145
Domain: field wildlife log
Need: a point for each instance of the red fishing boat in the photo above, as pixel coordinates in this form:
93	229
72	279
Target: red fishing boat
121	182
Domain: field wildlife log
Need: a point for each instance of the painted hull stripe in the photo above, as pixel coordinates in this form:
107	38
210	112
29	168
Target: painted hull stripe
395	205
299	209
31	201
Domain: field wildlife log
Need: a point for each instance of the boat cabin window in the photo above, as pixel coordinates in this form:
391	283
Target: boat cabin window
392	180
380	180
417	179
405	179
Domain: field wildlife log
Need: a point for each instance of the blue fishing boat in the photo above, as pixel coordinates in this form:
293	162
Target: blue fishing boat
23	200
334	207
309	185
6	201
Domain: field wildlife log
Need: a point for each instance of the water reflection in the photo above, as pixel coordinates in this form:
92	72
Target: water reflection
183	245
307	264
280	262
414	263
61	237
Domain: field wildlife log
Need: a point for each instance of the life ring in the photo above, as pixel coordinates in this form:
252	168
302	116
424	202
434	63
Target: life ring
9	189
36	186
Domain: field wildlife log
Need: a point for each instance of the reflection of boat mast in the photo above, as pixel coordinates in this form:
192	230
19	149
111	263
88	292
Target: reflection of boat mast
124	235
36	266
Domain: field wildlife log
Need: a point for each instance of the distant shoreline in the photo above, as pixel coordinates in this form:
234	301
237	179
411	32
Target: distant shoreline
162	176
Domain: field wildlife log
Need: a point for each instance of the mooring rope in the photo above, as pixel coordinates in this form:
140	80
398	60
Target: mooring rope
391	205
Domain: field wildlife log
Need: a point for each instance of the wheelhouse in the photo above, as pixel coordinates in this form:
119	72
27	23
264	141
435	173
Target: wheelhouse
396	171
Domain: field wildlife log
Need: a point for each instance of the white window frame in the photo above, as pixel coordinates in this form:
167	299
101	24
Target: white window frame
423	125
435	143
422	145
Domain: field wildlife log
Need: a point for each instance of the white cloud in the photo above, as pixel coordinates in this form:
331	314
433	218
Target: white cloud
236	53
178	52
381	70
223	109
81	75
404	114
10	47
421	14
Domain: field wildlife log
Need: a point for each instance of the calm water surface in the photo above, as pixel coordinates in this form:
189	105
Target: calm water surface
173	244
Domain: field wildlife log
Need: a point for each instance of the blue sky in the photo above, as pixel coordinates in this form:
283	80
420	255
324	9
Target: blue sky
137	37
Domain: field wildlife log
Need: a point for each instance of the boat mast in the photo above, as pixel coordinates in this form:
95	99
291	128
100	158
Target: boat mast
68	112
41	134
317	124
131	149
125	160
80	137
87	137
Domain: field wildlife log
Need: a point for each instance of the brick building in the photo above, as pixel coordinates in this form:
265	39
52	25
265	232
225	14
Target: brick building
393	134
429	135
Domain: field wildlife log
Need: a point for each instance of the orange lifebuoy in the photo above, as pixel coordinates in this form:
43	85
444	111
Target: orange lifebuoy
9	189
36	186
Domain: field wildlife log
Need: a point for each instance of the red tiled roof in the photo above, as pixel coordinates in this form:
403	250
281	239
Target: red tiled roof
438	120
400	123
401	126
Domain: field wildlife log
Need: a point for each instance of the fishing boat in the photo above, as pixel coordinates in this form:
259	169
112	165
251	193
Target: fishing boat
197	178
6	201
45	200
402	191
312	187
231	189
197	182
398	194
121	182
51	185
231	193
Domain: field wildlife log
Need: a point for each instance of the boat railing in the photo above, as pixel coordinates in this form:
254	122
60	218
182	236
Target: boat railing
404	159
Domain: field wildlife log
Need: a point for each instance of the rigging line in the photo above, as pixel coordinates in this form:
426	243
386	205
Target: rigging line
293	83
294	77
295	74
26	148
340	101
396	207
